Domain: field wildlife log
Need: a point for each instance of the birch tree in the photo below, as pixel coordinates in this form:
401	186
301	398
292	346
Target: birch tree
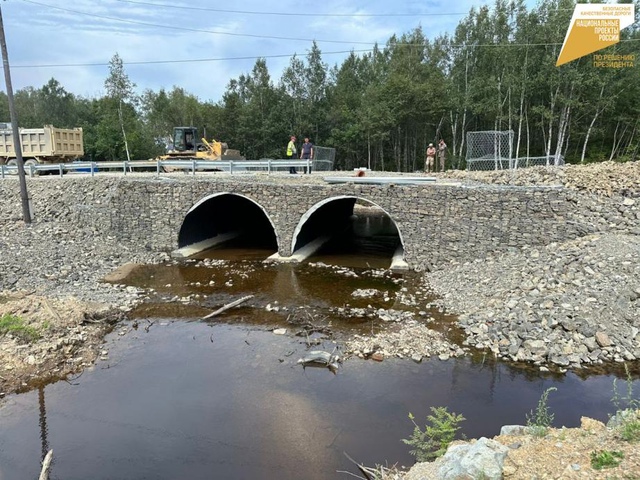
120	89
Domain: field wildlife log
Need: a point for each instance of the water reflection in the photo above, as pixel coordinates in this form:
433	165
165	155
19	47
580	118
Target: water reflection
192	400
43	422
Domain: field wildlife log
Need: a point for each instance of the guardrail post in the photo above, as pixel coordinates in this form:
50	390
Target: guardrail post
193	167
2	169
269	167
31	171
158	167
61	169
94	167
231	167
124	167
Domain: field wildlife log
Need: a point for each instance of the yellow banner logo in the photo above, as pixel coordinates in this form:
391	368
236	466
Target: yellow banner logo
594	27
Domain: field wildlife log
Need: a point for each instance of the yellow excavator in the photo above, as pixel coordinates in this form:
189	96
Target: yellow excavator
187	147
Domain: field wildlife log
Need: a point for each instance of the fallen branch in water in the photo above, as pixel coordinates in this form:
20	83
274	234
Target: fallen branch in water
378	473
46	463
227	307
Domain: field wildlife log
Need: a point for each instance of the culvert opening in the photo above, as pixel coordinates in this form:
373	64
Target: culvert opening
227	221
354	229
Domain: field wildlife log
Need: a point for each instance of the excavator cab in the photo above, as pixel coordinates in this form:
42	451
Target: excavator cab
185	139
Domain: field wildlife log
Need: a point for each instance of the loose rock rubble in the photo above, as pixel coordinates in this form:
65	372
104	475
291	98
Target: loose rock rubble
567	305
413	340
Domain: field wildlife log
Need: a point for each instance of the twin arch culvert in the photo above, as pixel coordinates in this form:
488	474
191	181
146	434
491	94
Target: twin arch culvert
341	224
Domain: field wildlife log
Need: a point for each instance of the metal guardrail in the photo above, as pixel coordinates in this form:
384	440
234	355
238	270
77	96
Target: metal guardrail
162	166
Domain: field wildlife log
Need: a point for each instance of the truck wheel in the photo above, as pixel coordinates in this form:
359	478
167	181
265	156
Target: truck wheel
27	165
12	163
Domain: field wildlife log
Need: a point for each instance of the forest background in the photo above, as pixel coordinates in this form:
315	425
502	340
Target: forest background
382	108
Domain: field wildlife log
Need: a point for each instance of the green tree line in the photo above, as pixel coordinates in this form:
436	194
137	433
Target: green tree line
381	109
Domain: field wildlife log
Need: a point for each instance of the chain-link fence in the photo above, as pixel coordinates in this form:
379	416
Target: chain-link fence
489	150
493	150
324	158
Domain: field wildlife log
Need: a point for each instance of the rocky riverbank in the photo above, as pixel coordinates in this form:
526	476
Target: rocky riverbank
560	306
563	305
51	278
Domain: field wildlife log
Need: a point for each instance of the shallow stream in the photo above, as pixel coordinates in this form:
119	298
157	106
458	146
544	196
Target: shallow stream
180	397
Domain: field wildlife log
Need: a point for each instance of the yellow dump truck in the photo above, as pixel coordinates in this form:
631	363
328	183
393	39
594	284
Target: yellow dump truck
41	145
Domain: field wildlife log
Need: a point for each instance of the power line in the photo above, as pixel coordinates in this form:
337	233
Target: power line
291	14
193	60
251	57
187	29
289	55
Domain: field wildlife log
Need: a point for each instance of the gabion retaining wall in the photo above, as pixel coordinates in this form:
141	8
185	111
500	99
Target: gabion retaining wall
437	223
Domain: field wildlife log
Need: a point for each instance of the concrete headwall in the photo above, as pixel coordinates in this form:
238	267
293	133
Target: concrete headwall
437	223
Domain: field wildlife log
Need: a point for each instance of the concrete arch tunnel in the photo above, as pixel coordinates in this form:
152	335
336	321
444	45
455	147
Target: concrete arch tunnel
347	219
226	218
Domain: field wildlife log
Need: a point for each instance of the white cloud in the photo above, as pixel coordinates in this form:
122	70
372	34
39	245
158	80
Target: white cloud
55	35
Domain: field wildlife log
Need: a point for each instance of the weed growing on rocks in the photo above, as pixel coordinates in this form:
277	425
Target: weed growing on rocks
439	431
540	419
15	326
605	459
627	415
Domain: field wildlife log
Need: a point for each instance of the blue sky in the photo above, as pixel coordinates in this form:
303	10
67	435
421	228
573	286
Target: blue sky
90	32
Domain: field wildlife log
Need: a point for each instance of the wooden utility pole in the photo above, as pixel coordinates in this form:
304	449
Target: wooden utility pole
26	211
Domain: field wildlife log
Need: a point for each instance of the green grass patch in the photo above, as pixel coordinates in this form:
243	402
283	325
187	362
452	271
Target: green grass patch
16	327
606	459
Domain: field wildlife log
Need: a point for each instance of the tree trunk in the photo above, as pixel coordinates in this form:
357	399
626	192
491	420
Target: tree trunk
550	135
593	121
613	147
369	150
124	135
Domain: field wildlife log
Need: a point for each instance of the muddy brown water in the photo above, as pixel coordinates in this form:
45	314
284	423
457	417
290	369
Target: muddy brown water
178	397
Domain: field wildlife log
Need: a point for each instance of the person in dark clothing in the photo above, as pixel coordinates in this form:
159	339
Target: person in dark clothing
306	152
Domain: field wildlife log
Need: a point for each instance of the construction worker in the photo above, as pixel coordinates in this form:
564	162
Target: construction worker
292	152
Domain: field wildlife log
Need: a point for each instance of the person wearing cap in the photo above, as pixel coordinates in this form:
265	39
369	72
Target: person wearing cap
429	162
292	152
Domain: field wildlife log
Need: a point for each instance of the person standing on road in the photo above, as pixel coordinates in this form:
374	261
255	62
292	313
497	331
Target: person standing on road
442	149
306	152
429	162
292	152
